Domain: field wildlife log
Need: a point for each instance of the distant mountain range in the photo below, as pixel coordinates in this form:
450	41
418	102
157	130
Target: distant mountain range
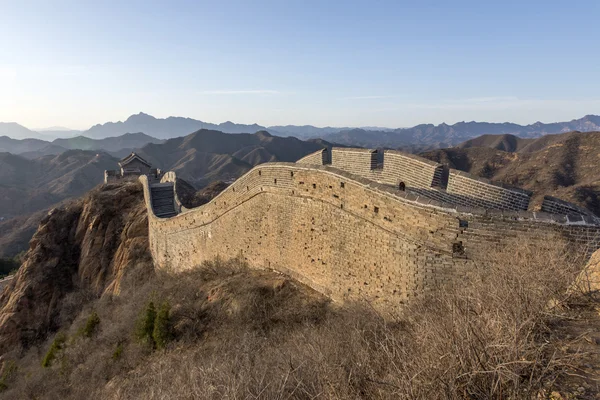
444	135
417	138
34	148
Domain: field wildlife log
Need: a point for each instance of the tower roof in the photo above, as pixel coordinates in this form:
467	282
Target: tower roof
130	158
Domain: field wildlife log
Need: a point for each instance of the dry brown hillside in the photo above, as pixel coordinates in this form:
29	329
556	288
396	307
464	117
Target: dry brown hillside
566	165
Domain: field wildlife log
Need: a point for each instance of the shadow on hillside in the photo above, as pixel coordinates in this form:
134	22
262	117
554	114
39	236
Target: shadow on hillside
589	197
566	175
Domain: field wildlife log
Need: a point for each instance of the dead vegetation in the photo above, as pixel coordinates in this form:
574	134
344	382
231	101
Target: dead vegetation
236	333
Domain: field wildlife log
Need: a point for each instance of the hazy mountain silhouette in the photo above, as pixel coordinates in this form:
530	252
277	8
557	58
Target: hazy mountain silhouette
16	131
445	135
34	148
164	128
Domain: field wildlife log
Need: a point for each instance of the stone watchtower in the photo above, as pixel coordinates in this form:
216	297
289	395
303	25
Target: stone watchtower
131	167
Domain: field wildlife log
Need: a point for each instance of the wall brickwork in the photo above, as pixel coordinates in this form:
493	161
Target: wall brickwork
557	206
426	178
477	192
344	235
320	157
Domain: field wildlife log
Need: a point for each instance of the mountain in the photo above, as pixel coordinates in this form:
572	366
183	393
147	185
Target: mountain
207	155
562	165
17	146
445	135
302	132
126	141
34	148
29	187
16	131
164	128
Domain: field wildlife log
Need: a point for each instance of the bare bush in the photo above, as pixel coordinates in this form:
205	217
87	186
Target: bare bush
248	334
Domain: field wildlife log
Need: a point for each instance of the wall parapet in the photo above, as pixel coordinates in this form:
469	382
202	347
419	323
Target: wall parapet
427	177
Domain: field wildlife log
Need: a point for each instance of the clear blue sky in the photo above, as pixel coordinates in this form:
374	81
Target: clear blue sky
340	63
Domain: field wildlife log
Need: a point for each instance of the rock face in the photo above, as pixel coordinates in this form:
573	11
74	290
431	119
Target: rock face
589	280
86	245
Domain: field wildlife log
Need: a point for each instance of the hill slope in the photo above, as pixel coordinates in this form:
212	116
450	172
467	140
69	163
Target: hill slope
206	155
29	187
565	165
34	148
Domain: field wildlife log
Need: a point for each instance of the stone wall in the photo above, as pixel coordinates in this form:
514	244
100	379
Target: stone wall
478	192
347	236
557	206
319	157
427	178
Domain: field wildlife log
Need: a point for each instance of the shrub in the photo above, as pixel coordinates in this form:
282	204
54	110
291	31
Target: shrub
145	326
90	325
9	370
118	352
162	332
56	346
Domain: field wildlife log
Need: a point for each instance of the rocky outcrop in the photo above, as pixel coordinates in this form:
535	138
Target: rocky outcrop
87	245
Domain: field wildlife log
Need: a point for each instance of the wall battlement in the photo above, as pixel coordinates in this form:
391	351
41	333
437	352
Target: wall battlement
346	235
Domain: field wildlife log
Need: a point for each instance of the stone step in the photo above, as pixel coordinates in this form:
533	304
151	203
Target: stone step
162	196
161	192
166	215
162	202
161	185
160	211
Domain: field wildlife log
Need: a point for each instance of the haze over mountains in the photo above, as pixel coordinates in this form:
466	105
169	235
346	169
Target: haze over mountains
419	137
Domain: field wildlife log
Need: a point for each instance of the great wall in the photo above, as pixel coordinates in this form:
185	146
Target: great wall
359	224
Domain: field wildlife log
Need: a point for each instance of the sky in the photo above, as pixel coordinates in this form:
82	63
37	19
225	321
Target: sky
326	63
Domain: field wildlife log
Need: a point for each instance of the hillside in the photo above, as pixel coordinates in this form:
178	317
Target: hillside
206	155
564	165
35	148
28	187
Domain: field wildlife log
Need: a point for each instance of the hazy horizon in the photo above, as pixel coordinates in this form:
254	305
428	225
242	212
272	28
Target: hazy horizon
389	64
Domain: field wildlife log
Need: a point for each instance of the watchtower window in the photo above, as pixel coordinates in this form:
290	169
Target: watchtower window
275	181
402	186
259	172
314	185
292	174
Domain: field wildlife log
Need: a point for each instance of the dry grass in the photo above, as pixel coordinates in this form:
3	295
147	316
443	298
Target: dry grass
243	334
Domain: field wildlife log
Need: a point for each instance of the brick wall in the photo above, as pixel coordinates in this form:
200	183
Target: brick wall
361	162
414	171
557	206
479	192
319	157
345	235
